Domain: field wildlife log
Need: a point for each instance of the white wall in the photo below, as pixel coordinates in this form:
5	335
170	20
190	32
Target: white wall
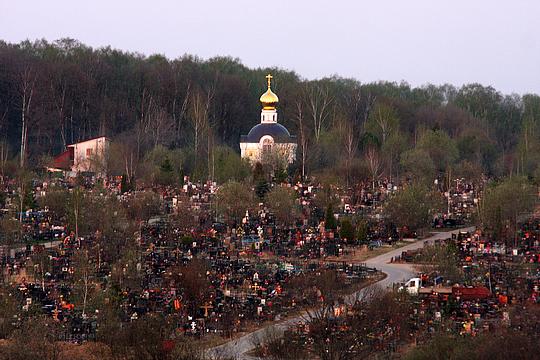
89	155
253	151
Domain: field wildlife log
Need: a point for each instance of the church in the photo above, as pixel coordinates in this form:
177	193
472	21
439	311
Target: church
269	142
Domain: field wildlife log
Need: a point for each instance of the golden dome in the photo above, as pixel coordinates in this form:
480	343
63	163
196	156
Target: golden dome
269	99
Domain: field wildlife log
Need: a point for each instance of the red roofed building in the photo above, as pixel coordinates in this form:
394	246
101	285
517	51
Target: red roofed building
84	156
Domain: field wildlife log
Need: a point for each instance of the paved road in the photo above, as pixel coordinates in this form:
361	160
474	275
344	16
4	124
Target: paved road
399	272
238	348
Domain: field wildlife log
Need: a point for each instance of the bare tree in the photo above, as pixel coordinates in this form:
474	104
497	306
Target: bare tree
326	345
179	106
374	163
370	102
351	146
303	138
200	108
318	101
58	89
75	209
127	150
3	122
42	265
383	121
27	84
210	152
4	146
24	187
353	105
4	155
144	123
161	125
273	345
83	273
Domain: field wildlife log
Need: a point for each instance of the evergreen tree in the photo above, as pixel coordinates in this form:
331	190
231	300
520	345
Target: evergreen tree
346	230
259	178
362	232
330	220
166	173
124	186
166	166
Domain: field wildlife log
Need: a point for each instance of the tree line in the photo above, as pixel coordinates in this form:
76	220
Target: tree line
193	112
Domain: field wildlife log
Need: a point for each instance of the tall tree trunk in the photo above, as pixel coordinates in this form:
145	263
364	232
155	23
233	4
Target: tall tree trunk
27	85
303	140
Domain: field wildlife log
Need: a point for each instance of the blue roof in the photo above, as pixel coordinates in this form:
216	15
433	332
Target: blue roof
278	132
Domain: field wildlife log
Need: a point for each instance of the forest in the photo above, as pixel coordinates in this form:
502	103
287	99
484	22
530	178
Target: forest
188	114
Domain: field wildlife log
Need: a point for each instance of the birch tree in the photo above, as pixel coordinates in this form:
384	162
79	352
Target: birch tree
382	122
303	139
4	145
374	163
160	125
75	204
394	146
27	84
144	122
121	157
58	86
318	101
351	141
200	108
4	156
179	106
23	180
83	270
42	265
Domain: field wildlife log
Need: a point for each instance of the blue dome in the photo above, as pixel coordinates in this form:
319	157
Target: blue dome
278	132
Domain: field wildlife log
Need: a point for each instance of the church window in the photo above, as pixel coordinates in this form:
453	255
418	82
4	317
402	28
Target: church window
267	145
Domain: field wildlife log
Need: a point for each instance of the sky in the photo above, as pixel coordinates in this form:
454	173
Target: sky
492	42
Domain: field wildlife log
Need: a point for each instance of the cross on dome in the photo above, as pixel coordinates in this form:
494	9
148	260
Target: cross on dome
269	79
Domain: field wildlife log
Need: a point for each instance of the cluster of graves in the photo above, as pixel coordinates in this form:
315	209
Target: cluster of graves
247	273
205	275
496	283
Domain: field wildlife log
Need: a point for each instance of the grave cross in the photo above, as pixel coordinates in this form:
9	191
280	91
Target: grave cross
206	307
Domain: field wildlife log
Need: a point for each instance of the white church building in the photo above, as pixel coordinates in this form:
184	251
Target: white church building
268	140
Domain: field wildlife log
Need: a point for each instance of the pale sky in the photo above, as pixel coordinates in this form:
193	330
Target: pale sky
494	42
